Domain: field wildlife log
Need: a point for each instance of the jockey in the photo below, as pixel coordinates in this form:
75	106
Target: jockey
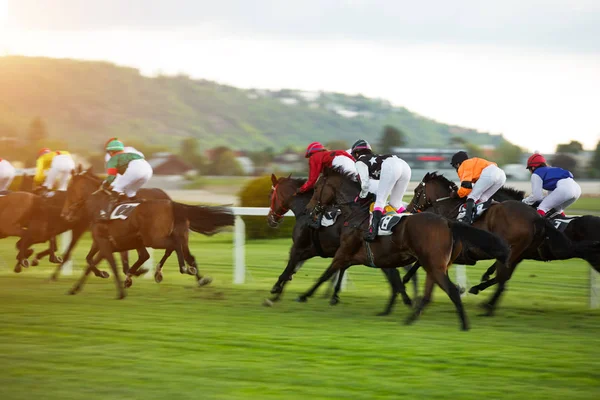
133	172
479	178
319	159
7	174
127	149
564	191
393	174
56	167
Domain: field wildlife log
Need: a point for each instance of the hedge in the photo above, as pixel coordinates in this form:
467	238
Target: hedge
256	193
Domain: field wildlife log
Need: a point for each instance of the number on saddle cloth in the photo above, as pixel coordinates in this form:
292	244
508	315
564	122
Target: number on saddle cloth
561	223
123	210
388	222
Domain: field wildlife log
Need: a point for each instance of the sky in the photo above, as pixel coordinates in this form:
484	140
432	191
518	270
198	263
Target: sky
528	69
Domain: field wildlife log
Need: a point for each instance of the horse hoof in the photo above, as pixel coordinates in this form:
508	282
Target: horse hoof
275	290
56	260
461	290
205	281
192	270
408	302
334	301
158	278
267	303
121	296
474	290
104	274
72	292
24	263
35	262
18	269
182	270
128	282
301	299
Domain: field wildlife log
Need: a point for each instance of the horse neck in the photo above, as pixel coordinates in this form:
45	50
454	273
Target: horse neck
446	208
299	203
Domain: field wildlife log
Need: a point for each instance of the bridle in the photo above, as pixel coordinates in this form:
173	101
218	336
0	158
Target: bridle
73	208
419	206
277	202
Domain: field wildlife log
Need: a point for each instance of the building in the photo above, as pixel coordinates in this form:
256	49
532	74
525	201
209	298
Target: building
170	164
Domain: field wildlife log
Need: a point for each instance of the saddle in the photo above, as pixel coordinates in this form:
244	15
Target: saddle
478	211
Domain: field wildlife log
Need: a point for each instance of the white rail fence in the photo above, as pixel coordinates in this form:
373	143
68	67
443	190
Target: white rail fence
239	255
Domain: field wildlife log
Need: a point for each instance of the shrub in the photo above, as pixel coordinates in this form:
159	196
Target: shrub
256	194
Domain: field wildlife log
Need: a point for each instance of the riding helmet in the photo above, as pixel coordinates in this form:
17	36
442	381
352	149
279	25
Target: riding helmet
313	148
535	161
458	158
359	147
115	145
43	151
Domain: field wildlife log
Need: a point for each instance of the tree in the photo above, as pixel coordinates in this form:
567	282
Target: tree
595	164
391	137
337	145
573	147
565	161
508	153
38	132
224	163
189	153
457	141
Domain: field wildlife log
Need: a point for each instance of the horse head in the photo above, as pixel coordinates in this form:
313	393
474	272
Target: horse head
334	187
83	183
432	188
281	196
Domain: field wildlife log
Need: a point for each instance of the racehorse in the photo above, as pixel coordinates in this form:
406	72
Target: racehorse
529	235
433	240
308	242
160	224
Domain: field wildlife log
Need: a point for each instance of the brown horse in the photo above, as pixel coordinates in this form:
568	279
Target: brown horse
160	224
529	235
309	242
429	238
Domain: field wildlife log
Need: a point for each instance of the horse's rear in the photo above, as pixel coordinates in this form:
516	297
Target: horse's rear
16	209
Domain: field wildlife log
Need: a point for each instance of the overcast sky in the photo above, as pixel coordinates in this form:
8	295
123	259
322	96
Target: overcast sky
529	69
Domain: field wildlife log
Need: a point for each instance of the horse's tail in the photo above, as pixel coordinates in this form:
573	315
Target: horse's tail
560	247
204	219
482	241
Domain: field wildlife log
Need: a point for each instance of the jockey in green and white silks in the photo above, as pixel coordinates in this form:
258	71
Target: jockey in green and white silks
127	173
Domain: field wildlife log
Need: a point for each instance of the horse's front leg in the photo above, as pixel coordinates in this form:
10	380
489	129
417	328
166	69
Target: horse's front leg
335	266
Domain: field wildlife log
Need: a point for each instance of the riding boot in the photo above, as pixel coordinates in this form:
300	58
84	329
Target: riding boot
110	206
315	221
374	228
469	212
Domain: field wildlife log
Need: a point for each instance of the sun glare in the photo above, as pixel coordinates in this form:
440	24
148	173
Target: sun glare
3	13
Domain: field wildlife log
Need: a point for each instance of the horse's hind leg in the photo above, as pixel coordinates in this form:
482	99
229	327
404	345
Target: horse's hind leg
54	259
91	265
429	282
335	298
158	276
143	256
452	291
193	266
335	266
393	277
489	272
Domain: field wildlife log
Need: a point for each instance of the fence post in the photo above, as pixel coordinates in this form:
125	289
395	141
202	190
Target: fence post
239	251
65	241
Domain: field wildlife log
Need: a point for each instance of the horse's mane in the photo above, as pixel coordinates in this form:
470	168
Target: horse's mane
341	172
511	193
435	176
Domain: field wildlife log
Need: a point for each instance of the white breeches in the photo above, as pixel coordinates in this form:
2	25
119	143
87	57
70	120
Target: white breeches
393	181
492	178
566	193
7	174
60	172
137	174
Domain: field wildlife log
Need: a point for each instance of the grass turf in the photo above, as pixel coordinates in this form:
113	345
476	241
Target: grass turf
174	340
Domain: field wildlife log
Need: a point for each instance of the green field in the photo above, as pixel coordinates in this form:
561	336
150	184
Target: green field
176	341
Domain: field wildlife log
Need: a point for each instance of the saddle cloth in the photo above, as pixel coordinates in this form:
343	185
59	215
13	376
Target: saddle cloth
479	210
388	222
122	211
330	216
561	223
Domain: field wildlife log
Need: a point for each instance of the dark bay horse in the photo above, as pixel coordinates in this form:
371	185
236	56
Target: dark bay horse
528	235
160	224
429	238
308	242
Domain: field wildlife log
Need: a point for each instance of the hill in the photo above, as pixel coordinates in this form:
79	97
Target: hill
84	102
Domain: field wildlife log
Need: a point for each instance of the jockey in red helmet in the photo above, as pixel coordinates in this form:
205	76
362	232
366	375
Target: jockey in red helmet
563	190
319	157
